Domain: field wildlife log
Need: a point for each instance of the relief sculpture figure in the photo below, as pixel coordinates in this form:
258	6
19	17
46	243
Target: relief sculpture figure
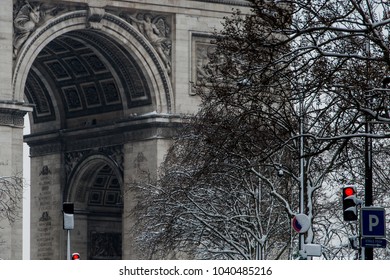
27	19
156	31
25	22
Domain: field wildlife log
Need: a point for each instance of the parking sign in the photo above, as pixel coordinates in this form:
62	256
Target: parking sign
373	222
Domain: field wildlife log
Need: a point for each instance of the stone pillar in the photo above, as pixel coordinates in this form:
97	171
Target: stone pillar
11	132
6	49
141	162
47	238
11	164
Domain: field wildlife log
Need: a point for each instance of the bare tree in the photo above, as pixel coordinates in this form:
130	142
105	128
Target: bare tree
11	193
291	72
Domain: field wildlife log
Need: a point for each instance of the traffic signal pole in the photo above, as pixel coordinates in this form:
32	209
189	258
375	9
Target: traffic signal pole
68	213
302	168
68	246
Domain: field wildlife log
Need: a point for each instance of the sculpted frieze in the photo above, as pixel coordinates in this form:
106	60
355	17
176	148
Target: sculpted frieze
28	16
203	49
73	159
11	117
157	30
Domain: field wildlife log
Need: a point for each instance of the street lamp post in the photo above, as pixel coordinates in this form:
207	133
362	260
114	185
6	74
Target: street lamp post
368	191
368	252
302	167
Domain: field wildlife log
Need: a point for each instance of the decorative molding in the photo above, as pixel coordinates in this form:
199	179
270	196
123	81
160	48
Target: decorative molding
74	159
45	149
37	94
12	117
243	3
94	18
93	142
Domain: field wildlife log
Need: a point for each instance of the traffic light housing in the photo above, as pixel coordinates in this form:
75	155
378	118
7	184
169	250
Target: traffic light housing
68	211
75	256
350	212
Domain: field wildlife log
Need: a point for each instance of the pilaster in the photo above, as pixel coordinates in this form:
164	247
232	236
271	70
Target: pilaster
11	163
6	48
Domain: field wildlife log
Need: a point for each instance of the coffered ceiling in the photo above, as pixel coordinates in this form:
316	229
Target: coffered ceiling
84	73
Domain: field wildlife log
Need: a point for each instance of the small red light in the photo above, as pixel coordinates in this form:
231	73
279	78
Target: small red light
349	191
75	256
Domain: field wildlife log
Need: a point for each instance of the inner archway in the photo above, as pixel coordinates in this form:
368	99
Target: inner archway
96	190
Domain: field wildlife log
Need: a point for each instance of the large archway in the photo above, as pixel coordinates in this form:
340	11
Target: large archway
65	53
102	100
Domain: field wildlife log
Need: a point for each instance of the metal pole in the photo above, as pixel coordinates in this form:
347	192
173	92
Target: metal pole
302	170
368	166
368	200
68	246
368	252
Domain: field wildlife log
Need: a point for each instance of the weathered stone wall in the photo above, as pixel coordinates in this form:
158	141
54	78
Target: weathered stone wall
46	205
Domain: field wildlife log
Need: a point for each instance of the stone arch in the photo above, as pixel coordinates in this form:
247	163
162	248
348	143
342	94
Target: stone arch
77	140
96	187
84	171
113	27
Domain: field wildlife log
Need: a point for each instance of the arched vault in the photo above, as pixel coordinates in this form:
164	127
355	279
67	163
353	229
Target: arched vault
69	70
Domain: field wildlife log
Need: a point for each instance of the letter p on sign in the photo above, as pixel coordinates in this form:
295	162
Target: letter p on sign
373	222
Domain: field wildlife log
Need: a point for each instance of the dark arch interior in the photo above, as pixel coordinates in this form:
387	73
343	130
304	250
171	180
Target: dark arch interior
84	73
105	191
104	228
98	213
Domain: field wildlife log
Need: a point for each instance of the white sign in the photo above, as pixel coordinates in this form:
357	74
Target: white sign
68	221
300	223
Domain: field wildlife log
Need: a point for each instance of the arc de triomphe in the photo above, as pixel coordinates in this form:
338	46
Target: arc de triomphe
104	83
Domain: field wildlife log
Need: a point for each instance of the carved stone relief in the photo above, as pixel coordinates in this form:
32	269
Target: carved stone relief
105	245
141	170
202	50
157	30
95	16
12	117
28	16
45	206
72	159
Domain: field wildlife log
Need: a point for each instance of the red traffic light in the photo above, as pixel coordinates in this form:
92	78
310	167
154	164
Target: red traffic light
350	211
75	256
349	191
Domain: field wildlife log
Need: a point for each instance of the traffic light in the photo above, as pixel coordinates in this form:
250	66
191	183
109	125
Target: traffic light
68	211
76	256
350	203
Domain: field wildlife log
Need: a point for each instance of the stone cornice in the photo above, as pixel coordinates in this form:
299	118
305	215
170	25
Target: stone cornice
12	113
228	2
137	128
